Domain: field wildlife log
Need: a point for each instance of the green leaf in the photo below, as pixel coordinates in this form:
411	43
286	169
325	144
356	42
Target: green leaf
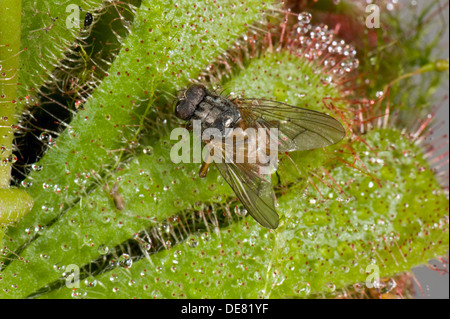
324	244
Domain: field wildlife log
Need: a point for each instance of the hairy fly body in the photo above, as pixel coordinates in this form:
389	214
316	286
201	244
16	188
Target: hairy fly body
296	129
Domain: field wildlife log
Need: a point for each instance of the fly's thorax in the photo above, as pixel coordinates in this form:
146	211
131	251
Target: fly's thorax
216	112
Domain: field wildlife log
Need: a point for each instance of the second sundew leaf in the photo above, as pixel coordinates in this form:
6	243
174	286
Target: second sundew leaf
294	80
153	189
323	244
170	42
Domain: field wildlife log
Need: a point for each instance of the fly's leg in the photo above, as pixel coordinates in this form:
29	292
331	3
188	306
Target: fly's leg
242	124
205	165
204	168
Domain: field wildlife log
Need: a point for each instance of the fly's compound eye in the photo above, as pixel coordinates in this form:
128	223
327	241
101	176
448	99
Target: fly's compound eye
192	97
184	109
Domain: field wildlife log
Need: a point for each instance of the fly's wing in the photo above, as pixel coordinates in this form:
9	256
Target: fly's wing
254	192
250	181
299	129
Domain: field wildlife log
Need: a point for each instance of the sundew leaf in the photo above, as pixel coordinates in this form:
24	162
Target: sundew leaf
169	43
47	32
75	66
355	222
324	243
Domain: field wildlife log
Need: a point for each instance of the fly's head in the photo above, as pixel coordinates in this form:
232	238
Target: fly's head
189	101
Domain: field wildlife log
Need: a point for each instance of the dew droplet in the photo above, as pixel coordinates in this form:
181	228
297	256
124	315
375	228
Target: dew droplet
330	62
133	144
92	205
206	237
26	184
148	150
90	282
103	249
47	208
59	267
46	138
73	222
36	167
71	132
302	288
178	203
113	277
39	229
65	246
147	247
125	261
330	287
326	80
355	63
78	293
192	243
89	240
304	17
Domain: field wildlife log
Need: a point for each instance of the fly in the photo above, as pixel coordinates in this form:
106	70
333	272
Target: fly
298	129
